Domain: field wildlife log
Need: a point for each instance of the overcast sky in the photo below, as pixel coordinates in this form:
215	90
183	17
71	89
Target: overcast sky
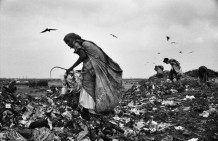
140	25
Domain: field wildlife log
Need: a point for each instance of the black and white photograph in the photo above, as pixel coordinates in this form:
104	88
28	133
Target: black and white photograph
108	70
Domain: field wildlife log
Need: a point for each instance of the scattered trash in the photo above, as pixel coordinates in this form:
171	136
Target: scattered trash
168	138
186	108
193	139
3	137
189	97
173	90
170	103
208	112
83	133
152	110
179	128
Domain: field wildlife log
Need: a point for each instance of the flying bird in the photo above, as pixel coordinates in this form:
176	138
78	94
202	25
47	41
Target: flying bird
47	30
158	53
191	52
113	35
180	52
173	42
168	38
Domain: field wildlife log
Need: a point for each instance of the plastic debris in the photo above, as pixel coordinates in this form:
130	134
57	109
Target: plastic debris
83	133
173	90
168	138
3	136
170	103
13	135
193	139
179	128
39	123
186	108
43	134
189	97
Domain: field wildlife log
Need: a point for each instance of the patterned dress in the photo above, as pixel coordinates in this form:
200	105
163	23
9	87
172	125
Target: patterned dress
102	79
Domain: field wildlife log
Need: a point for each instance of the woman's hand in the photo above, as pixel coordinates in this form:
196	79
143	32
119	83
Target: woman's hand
67	73
69	70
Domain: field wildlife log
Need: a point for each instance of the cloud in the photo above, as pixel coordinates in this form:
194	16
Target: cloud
141	27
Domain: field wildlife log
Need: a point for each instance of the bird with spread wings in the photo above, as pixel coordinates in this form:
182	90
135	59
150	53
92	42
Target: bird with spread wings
113	35
47	30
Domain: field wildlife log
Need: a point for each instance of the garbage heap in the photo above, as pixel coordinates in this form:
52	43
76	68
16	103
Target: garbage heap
155	109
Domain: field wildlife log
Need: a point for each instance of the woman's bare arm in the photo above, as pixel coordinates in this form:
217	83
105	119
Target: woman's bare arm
82	57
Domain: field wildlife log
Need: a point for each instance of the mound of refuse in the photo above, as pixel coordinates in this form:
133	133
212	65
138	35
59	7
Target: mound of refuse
194	73
154	109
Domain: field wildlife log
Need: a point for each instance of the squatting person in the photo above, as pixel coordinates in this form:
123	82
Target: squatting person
159	69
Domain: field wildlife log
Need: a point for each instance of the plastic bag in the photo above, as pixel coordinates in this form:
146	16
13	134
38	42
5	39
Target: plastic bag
83	133
3	137
13	135
43	134
39	123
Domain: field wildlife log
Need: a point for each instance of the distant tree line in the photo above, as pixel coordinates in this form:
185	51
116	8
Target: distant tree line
38	83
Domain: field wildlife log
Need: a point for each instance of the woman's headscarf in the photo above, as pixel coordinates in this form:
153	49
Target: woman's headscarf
71	36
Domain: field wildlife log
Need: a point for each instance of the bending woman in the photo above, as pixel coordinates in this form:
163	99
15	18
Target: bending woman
102	77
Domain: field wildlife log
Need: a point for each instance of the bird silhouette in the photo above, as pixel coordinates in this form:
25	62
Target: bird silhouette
191	52
168	38
158	53
47	29
113	36
180	52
